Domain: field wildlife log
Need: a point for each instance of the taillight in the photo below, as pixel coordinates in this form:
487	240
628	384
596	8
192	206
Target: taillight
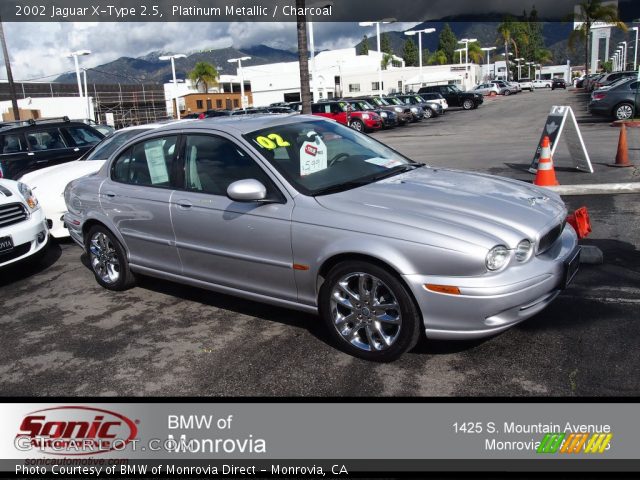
599	96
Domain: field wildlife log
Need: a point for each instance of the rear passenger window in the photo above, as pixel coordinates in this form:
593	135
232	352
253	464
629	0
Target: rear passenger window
12	144
147	163
83	136
213	163
45	140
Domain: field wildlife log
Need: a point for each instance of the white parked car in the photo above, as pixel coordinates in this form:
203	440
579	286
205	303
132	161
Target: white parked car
542	83
526	84
23	229
487	89
49	183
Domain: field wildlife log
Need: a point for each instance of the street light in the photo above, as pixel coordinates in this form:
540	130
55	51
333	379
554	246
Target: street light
466	42
239	62
528	64
460	50
487	49
420	32
175	82
519	60
506	64
75	55
635	51
377	24
624	54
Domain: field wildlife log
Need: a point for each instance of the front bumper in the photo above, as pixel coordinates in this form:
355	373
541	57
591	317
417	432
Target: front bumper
490	304
29	237
373	124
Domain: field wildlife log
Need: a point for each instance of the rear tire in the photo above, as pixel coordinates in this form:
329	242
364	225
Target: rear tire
108	259
507	93
348	304
467	104
624	111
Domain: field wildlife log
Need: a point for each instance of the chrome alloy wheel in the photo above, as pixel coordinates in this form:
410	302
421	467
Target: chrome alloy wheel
624	112
365	312
104	258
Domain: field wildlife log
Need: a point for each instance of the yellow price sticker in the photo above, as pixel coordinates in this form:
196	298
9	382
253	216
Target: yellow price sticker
272	141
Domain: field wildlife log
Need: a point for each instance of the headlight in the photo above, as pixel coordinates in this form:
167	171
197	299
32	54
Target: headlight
365	116
398	109
414	110
28	195
523	251
497	257
383	114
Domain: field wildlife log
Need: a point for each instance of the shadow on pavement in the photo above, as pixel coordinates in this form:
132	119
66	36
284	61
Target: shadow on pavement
31	266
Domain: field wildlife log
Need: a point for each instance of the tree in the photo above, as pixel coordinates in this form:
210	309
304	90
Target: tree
303	58
204	73
385	44
447	42
476	55
505	34
438	58
590	12
386	61
364	48
410	53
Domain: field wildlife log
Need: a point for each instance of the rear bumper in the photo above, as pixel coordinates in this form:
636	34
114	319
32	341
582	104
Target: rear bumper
490	304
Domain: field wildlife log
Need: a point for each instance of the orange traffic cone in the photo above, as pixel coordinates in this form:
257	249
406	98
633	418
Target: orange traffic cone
622	157
546	175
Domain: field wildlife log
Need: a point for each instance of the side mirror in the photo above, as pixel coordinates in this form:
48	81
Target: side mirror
248	190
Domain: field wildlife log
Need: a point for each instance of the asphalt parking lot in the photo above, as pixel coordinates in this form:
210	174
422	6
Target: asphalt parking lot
63	335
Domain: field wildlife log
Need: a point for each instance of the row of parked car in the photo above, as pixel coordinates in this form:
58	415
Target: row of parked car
502	87
617	98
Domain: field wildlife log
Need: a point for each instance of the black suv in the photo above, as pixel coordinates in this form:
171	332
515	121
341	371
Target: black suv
34	144
454	96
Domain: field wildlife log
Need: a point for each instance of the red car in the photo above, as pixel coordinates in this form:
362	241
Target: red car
341	112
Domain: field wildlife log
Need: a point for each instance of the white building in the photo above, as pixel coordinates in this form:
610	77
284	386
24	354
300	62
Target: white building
344	73
50	107
497	71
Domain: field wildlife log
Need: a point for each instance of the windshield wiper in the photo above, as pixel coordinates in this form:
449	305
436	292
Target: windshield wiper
396	170
341	187
367	180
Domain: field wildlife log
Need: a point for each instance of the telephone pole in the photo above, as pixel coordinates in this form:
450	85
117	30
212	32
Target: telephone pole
7	64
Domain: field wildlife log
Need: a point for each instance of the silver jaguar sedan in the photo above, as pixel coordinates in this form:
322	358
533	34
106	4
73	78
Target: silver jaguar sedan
301	212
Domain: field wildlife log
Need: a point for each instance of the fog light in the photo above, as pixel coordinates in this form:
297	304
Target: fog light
41	237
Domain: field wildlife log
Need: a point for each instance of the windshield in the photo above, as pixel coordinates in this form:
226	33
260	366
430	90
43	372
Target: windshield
420	99
104	149
381	102
320	157
395	101
362	105
454	89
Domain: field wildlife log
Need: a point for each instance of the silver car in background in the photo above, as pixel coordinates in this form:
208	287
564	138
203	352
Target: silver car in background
304	213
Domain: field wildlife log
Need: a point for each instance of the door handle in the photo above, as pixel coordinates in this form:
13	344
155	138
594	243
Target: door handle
76	149
110	194
184	204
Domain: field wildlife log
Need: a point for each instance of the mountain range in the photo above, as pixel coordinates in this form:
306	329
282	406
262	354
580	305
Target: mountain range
149	69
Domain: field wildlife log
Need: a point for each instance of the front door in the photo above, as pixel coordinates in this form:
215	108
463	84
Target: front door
242	245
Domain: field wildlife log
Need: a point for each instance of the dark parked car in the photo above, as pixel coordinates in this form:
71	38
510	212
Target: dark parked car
417	113
611	78
402	111
34	144
619	101
431	109
454	96
558	83
389	119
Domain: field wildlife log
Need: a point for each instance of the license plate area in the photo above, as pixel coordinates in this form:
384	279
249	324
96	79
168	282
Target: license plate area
571	267
6	244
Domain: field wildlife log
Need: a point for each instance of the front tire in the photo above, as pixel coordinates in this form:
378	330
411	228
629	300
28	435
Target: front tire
369	313
357	125
467	104
108	259
428	113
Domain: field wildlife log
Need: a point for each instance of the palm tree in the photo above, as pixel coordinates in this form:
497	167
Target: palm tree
303	58
476	55
592	11
505	34
439	57
204	73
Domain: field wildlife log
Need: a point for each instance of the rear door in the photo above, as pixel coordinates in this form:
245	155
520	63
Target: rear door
49	146
136	197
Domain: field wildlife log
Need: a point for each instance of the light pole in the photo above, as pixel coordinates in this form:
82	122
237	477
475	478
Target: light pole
635	50
528	64
420	32
623	44
506	64
466	42
459	52
377	24
239	62
488	49
175	82
75	55
86	96
519	71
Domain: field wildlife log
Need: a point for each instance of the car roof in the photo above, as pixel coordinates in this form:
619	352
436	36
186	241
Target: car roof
242	123
5	127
